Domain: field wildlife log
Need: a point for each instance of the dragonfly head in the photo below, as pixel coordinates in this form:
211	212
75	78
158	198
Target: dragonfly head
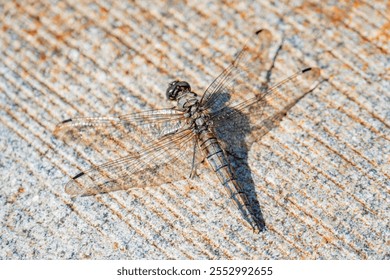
177	87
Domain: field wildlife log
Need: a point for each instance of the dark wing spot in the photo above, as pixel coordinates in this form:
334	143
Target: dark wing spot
65	121
78	175
259	31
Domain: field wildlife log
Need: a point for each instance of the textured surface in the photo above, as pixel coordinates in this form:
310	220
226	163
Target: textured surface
321	177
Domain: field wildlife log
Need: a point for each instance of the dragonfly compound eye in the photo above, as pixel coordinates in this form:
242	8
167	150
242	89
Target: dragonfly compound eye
175	88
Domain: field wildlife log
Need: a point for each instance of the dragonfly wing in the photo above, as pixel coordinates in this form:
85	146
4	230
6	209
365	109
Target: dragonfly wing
166	160
156	122
250	61
122	131
264	111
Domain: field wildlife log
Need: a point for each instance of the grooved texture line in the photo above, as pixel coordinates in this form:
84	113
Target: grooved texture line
321	177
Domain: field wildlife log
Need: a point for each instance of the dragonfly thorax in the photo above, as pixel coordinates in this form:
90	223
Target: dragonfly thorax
189	103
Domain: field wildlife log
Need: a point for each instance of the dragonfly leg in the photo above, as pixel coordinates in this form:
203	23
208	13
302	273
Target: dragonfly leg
194	169
194	164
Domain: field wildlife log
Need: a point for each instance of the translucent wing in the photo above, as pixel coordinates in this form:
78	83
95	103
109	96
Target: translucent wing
166	160
265	109
249	63
125	131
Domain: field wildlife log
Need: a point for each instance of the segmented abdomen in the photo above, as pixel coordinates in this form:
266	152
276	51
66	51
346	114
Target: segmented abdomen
219	163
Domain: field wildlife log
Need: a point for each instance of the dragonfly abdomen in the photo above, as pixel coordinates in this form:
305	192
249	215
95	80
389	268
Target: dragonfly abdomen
219	163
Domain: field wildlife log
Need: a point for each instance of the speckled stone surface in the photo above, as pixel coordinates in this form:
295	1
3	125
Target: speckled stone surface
321	177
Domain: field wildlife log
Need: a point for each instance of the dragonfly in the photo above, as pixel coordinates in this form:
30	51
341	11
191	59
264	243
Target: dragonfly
196	130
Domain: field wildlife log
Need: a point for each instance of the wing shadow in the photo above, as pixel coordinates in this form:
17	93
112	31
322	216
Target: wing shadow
238	133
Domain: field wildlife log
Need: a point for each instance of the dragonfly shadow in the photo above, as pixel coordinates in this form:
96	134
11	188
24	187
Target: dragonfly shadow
238	133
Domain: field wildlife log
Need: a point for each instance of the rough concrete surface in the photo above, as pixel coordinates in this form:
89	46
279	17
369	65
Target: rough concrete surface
321	177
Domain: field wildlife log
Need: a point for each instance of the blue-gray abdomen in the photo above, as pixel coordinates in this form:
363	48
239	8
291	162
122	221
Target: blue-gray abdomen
219	163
